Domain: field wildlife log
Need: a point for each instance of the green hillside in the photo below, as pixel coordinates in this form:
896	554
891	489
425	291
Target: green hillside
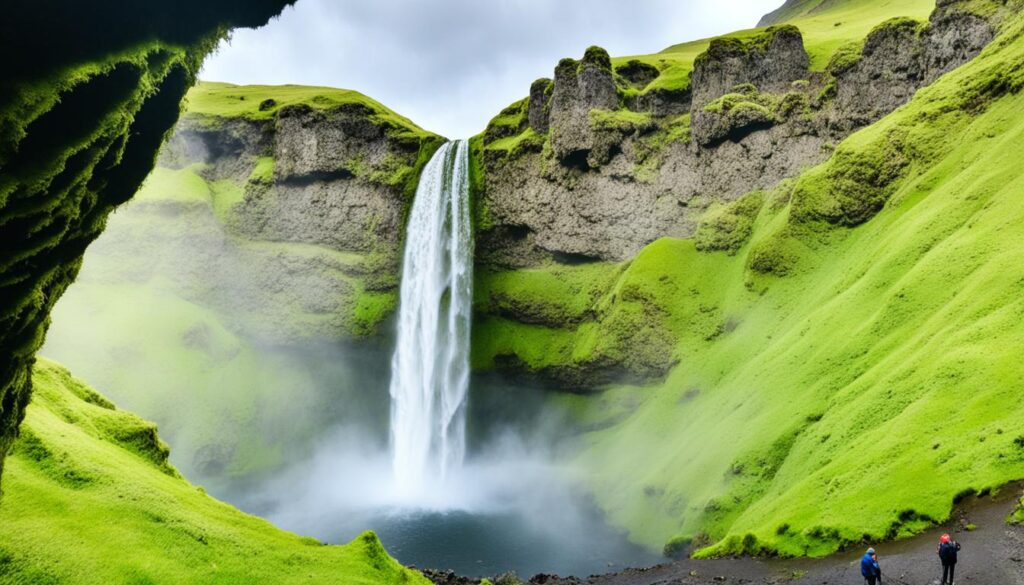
824	31
262	102
847	369
90	498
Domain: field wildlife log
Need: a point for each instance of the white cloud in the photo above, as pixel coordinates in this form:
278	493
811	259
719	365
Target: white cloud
451	65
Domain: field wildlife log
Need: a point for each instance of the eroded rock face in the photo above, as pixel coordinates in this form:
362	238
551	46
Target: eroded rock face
772	63
578	89
902	56
602	190
325	179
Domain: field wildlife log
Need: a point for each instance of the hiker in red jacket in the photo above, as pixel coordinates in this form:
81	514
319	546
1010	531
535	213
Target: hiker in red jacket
947	555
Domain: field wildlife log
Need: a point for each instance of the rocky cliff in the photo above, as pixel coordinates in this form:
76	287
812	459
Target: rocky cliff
262	254
311	186
591	168
585	170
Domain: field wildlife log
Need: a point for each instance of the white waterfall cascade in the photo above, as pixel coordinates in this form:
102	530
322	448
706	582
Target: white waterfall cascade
430	366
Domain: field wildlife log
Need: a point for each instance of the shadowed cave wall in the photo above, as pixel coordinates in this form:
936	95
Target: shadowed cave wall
88	94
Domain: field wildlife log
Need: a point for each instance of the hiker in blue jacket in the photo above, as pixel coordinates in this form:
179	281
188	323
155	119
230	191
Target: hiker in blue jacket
870	569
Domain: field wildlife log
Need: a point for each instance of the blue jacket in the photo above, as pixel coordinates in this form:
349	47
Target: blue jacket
947	552
869	567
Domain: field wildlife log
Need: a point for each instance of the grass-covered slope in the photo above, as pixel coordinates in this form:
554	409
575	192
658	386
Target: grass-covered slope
848	344
263	102
90	498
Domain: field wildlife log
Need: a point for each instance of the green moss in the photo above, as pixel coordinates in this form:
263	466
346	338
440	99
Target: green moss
263	102
876	290
527	141
597	57
81	490
556	296
899	25
727	228
509	122
371	309
622	120
845	57
263	172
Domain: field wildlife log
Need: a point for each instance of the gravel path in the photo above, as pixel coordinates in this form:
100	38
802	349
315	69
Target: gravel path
993	554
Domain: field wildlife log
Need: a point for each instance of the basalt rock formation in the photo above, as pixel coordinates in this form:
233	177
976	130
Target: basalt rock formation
601	173
587	170
332	173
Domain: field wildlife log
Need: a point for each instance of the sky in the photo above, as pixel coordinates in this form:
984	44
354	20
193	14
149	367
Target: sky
452	65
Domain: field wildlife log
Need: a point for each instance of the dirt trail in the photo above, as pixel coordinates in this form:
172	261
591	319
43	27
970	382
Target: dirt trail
993	554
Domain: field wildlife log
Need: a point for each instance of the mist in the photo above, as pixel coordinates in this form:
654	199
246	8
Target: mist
518	503
236	348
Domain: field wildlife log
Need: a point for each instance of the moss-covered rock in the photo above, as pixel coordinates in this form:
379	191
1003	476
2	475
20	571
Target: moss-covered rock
87	101
728	227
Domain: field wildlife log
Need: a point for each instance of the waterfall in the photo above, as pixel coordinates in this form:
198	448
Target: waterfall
430	366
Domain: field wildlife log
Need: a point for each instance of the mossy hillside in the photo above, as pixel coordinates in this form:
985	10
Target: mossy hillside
852	368
264	102
87	482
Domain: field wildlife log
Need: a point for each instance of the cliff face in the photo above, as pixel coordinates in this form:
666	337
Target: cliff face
589	171
87	97
328	169
597	173
263	256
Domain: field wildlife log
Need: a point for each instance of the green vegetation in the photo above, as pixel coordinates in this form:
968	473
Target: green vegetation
84	468
263	102
728	227
824	32
846	344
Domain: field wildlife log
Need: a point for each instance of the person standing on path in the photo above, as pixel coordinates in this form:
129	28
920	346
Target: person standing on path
947	555
870	569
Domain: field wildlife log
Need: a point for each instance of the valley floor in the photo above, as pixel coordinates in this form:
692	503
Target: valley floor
993	554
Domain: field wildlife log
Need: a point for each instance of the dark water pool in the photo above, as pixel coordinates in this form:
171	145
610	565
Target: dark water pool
483	544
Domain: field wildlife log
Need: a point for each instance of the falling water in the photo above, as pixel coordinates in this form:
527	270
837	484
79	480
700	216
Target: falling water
430	367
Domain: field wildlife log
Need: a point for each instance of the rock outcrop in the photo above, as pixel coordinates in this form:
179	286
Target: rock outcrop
306	215
618	169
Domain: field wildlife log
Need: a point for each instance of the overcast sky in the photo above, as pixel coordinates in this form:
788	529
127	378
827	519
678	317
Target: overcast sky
451	65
